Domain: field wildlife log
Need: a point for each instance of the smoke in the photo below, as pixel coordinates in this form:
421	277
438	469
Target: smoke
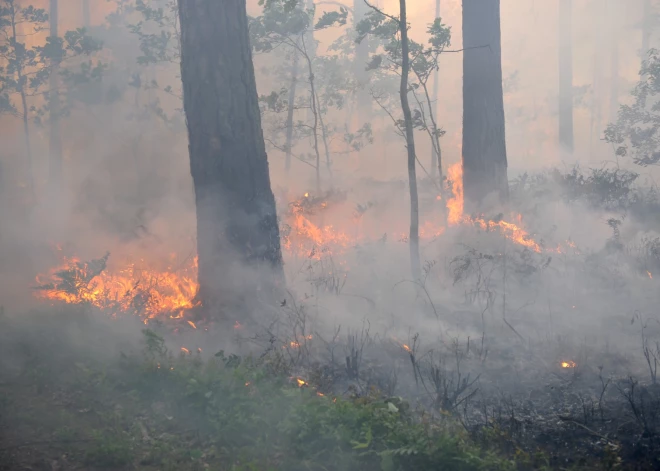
128	191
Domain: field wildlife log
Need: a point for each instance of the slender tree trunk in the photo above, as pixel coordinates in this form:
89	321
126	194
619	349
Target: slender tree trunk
290	110
238	237
310	43
484	145
565	32
313	107
436	155
87	21
415	264
22	82
614	50
55	140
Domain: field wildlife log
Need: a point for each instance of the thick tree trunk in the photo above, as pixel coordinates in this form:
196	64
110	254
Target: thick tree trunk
436	157
290	110
415	264
237	228
565	32
484	145
55	138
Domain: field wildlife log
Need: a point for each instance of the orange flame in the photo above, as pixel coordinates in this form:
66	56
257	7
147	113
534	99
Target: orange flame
568	364
147	292
455	205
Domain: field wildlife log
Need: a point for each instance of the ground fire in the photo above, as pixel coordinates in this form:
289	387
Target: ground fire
171	292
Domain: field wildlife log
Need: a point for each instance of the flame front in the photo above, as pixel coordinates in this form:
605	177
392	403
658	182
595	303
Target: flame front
149	293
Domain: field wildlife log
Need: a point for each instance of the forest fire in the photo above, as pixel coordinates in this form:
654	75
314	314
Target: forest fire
170	293
129	289
568	364
456	215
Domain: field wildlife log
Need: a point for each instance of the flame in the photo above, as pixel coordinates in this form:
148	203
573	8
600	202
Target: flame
455	206
185	350
301	382
649	274
406	348
192	324
568	364
150	293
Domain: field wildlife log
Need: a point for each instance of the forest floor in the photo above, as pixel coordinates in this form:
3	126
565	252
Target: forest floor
65	407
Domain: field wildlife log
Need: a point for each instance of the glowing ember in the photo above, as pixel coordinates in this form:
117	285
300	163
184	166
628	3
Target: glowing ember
185	350
301	382
145	292
406	348
568	364
649	274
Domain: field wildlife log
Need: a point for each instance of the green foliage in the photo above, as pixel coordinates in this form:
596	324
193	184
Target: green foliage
635	133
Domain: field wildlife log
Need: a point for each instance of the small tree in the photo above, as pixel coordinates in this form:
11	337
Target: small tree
636	133
27	70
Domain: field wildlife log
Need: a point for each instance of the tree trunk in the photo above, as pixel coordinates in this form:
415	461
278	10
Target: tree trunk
436	157
290	110
565	32
410	145
22	82
238	239
484	145
87	21
55	138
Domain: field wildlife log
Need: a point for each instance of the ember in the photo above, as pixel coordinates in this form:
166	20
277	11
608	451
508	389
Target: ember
568	364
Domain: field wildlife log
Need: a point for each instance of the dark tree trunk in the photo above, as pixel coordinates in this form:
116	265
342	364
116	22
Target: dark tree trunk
87	21
484	146
436	155
55	138
238	238
565	32
410	144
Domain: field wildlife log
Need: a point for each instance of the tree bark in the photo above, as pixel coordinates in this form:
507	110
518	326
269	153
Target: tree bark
415	264
436	155
484	145
55	138
565	31
237	229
